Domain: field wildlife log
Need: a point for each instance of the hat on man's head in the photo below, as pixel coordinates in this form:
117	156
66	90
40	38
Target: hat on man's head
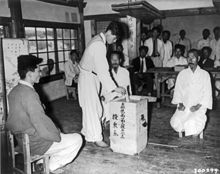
28	61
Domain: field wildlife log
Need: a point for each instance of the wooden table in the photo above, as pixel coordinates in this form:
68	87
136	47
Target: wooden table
164	73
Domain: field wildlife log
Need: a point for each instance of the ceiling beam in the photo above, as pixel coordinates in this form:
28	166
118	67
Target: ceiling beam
138	9
190	12
104	17
73	3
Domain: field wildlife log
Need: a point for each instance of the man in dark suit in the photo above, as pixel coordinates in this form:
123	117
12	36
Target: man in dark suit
205	61
140	65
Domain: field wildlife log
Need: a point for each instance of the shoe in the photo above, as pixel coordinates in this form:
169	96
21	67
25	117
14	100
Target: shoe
57	171
101	144
149	94
140	88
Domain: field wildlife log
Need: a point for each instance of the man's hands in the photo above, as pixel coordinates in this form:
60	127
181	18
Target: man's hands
181	107
195	108
76	78
120	90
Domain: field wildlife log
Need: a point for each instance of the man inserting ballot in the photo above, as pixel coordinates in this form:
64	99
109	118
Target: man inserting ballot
193	96
94	76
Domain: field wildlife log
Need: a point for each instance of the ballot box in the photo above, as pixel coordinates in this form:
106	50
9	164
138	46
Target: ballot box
129	125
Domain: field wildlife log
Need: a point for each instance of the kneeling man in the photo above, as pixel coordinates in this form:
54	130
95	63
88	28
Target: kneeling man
193	96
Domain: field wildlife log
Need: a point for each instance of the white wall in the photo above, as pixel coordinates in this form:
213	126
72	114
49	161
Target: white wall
192	24
4	10
88	33
37	10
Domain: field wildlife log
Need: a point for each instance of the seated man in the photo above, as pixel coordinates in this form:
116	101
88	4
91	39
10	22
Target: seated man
141	64
72	70
205	61
176	60
193	96
120	74
26	115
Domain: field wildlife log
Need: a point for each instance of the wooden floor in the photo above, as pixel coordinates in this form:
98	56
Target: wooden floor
164	154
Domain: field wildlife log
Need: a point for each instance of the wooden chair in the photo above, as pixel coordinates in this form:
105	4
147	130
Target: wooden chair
200	135
28	159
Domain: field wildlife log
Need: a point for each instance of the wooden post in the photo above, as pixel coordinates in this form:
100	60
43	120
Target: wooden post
17	31
132	53
4	142
81	28
17	26
134	25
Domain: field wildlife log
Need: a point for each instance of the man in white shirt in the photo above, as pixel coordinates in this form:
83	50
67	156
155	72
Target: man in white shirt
94	76
72	69
168	46
205	41
155	47
182	40
176	60
215	45
193	96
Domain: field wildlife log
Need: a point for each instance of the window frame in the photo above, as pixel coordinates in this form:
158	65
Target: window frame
54	26
5	22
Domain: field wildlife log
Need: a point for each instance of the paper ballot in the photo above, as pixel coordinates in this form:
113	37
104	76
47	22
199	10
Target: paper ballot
111	96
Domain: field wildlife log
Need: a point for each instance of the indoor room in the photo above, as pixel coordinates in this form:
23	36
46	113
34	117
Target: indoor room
110	86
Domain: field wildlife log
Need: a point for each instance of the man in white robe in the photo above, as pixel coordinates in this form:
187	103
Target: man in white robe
193	96
155	47
120	75
94	75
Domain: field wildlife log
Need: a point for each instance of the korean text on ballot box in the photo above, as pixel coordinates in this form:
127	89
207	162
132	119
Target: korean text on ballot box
129	124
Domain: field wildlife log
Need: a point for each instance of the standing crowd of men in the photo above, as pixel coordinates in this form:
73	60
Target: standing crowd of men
98	83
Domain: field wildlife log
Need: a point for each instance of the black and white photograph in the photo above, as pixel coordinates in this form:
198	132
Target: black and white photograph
110	86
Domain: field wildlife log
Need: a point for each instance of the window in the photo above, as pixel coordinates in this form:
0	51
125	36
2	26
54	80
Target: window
1	31
52	45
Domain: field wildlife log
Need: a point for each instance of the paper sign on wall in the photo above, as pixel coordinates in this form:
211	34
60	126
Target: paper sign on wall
12	48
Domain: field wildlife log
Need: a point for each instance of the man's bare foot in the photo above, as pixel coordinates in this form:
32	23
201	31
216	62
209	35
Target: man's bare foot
101	144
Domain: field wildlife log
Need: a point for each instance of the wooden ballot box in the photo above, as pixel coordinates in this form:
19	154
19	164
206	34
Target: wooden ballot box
129	125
